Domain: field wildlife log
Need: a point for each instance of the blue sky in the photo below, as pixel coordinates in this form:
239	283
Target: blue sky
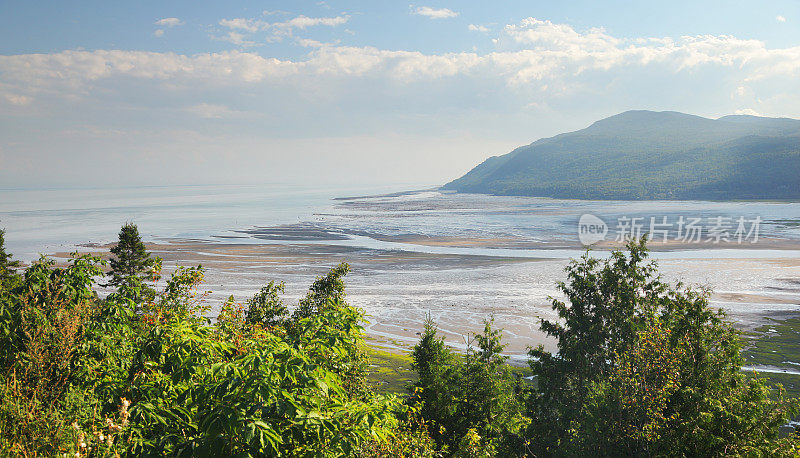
369	92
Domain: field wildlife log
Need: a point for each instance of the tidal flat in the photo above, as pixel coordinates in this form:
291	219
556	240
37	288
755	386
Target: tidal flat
398	289
458	258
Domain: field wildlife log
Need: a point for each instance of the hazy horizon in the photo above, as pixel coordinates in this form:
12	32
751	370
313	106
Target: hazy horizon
341	92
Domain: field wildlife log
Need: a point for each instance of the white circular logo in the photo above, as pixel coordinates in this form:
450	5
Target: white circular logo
591	229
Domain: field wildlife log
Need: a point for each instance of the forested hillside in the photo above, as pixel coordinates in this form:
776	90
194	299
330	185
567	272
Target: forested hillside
651	155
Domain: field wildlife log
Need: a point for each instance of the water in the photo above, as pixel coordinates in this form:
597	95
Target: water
43	221
40	221
456	257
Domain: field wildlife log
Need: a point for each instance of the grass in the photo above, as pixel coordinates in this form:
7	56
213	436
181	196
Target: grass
390	371
777	344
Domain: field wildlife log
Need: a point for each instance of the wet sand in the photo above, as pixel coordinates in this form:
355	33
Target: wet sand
398	289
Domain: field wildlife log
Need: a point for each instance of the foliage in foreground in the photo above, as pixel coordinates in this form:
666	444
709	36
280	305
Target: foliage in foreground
96	377
646	369
472	401
643	369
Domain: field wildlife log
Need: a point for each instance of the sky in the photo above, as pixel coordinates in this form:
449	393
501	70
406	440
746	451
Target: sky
98	93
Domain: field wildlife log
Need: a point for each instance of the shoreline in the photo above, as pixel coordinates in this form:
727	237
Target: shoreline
397	289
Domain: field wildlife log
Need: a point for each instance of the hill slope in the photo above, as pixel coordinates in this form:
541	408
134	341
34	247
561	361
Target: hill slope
651	155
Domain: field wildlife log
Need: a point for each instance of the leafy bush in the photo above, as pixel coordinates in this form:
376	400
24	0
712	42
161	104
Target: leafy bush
643	369
130	375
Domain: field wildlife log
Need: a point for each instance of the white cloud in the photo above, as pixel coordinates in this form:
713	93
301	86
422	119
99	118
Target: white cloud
478	28
536	63
277	31
554	46
303	22
531	51
18	100
542	78
169	22
236	38
434	13
309	43
780	18
748	111
248	25
210	111
547	35
158	33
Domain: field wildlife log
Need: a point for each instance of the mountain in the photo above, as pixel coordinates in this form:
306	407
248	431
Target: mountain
651	155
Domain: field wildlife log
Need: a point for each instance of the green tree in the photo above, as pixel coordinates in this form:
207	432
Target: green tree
471	402
132	265
8	266
490	401
266	307
325	298
43	325
645	368
606	303
90	377
326	288
435	365
627	413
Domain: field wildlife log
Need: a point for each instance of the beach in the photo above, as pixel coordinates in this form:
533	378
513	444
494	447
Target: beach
458	258
399	289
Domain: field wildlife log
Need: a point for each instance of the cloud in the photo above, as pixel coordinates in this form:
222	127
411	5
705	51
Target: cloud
309	43
169	22
533	50
210	111
477	28
780	18
236	38
543	34
542	78
536	63
166	22
248	25
553	45
276	31
18	100
303	22
748	111
434	13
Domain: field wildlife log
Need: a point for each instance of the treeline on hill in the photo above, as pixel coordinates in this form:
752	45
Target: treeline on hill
646	155
643	369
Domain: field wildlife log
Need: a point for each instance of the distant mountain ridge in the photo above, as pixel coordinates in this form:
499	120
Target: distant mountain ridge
647	155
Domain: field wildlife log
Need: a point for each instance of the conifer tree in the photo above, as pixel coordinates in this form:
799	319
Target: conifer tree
437	367
645	368
470	397
131	264
7	265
